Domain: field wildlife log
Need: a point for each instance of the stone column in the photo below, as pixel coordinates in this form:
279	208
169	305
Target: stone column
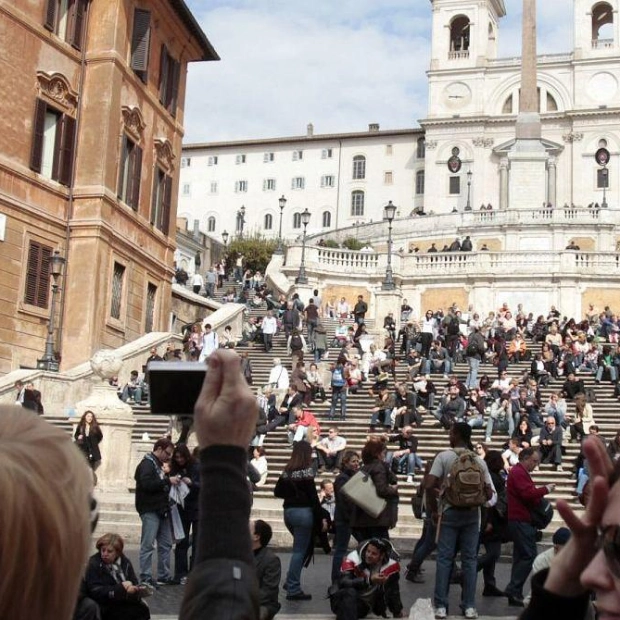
503	183
551	181
387	301
528	122
116	420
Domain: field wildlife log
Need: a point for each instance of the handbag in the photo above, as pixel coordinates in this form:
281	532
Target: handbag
360	489
542	514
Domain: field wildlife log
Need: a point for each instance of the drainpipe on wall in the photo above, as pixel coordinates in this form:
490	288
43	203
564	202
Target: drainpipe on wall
72	182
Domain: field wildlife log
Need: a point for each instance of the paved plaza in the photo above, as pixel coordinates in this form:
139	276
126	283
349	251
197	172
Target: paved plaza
166	602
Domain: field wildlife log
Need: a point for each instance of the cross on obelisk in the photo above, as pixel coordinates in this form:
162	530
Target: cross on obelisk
528	121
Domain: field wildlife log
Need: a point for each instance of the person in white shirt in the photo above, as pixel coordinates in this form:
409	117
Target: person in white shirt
330	451
197	283
210	343
269	327
278	376
343	309
510	456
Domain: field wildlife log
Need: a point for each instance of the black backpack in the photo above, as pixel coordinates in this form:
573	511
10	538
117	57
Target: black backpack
472	349
453	327
542	514
296	343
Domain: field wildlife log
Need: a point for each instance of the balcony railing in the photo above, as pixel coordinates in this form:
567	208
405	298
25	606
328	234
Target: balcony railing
600	44
460	55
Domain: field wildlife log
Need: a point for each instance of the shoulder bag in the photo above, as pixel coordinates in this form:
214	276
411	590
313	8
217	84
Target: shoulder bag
360	489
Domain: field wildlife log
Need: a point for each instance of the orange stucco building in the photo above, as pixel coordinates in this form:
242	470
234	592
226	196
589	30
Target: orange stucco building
91	123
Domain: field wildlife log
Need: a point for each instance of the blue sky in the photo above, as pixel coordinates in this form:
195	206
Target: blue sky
339	64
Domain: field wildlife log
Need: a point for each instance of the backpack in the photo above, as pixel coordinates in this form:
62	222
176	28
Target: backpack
542	514
464	486
472	349
338	377
296	343
454	327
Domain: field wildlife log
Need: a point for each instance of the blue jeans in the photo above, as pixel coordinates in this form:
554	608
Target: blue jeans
412	460
155	528
524	552
299	522
472	375
507	420
459	530
612	373
338	394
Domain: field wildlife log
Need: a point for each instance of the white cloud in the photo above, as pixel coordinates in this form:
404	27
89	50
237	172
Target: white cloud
339	65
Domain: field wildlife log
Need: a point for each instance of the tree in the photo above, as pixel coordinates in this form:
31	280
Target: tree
257	252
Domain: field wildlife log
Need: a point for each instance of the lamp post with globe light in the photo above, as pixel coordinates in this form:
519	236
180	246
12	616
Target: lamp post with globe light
282	204
301	275
49	361
389	211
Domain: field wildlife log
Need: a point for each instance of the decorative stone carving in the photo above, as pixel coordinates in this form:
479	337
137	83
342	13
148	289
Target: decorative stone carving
573	137
106	364
431	145
133	121
486	143
57	88
164	153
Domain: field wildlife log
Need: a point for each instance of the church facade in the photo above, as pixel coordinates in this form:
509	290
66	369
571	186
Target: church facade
474	97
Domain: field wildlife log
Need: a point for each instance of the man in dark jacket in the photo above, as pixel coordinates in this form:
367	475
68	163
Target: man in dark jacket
360	309
290	319
473	353
523	496
550	443
572	386
268	569
368	582
153	506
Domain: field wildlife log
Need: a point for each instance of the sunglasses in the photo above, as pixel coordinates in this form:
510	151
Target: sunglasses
609	541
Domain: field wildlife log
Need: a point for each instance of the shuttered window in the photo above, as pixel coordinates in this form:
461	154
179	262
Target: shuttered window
161	201
66	18
130	173
169	72
140	43
151	295
118	277
38	275
53	141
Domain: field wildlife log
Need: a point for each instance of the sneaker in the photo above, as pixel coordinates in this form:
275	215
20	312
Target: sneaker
559	468
422	409
414	577
168	582
470	612
409	479
300	596
487	440
440	613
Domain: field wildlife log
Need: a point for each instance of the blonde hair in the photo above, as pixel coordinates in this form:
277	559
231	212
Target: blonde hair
45	518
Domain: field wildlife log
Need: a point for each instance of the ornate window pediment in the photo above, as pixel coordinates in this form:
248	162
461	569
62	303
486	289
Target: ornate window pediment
57	89
134	122
165	154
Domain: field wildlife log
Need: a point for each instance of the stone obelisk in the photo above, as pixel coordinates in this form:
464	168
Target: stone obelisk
528	158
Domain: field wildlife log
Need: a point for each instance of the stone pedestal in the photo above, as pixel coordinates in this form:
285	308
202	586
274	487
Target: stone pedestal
528	175
387	301
305	292
117	422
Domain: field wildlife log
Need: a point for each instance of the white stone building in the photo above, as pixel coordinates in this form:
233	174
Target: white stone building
342	179
473	105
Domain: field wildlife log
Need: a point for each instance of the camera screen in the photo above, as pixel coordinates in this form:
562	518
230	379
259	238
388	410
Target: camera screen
174	387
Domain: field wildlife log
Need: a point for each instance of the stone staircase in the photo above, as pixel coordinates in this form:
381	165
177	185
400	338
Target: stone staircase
118	513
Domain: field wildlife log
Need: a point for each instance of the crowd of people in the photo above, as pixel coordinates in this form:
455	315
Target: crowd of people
457	520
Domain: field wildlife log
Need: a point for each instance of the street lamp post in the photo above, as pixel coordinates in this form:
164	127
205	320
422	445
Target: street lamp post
225	239
469	176
49	361
389	211
240	220
302	278
282	203
605	184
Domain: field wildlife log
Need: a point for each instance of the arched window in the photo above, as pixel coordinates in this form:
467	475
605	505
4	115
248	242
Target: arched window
419	182
552	104
211	224
268	223
459	35
421	150
602	25
359	167
357	203
296	220
327	219
507	108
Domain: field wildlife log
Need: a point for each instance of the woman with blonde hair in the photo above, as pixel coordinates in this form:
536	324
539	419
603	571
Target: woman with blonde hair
111	581
45	518
584	417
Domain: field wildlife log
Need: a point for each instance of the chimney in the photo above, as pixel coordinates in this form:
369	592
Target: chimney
372	127
310	130
196	232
